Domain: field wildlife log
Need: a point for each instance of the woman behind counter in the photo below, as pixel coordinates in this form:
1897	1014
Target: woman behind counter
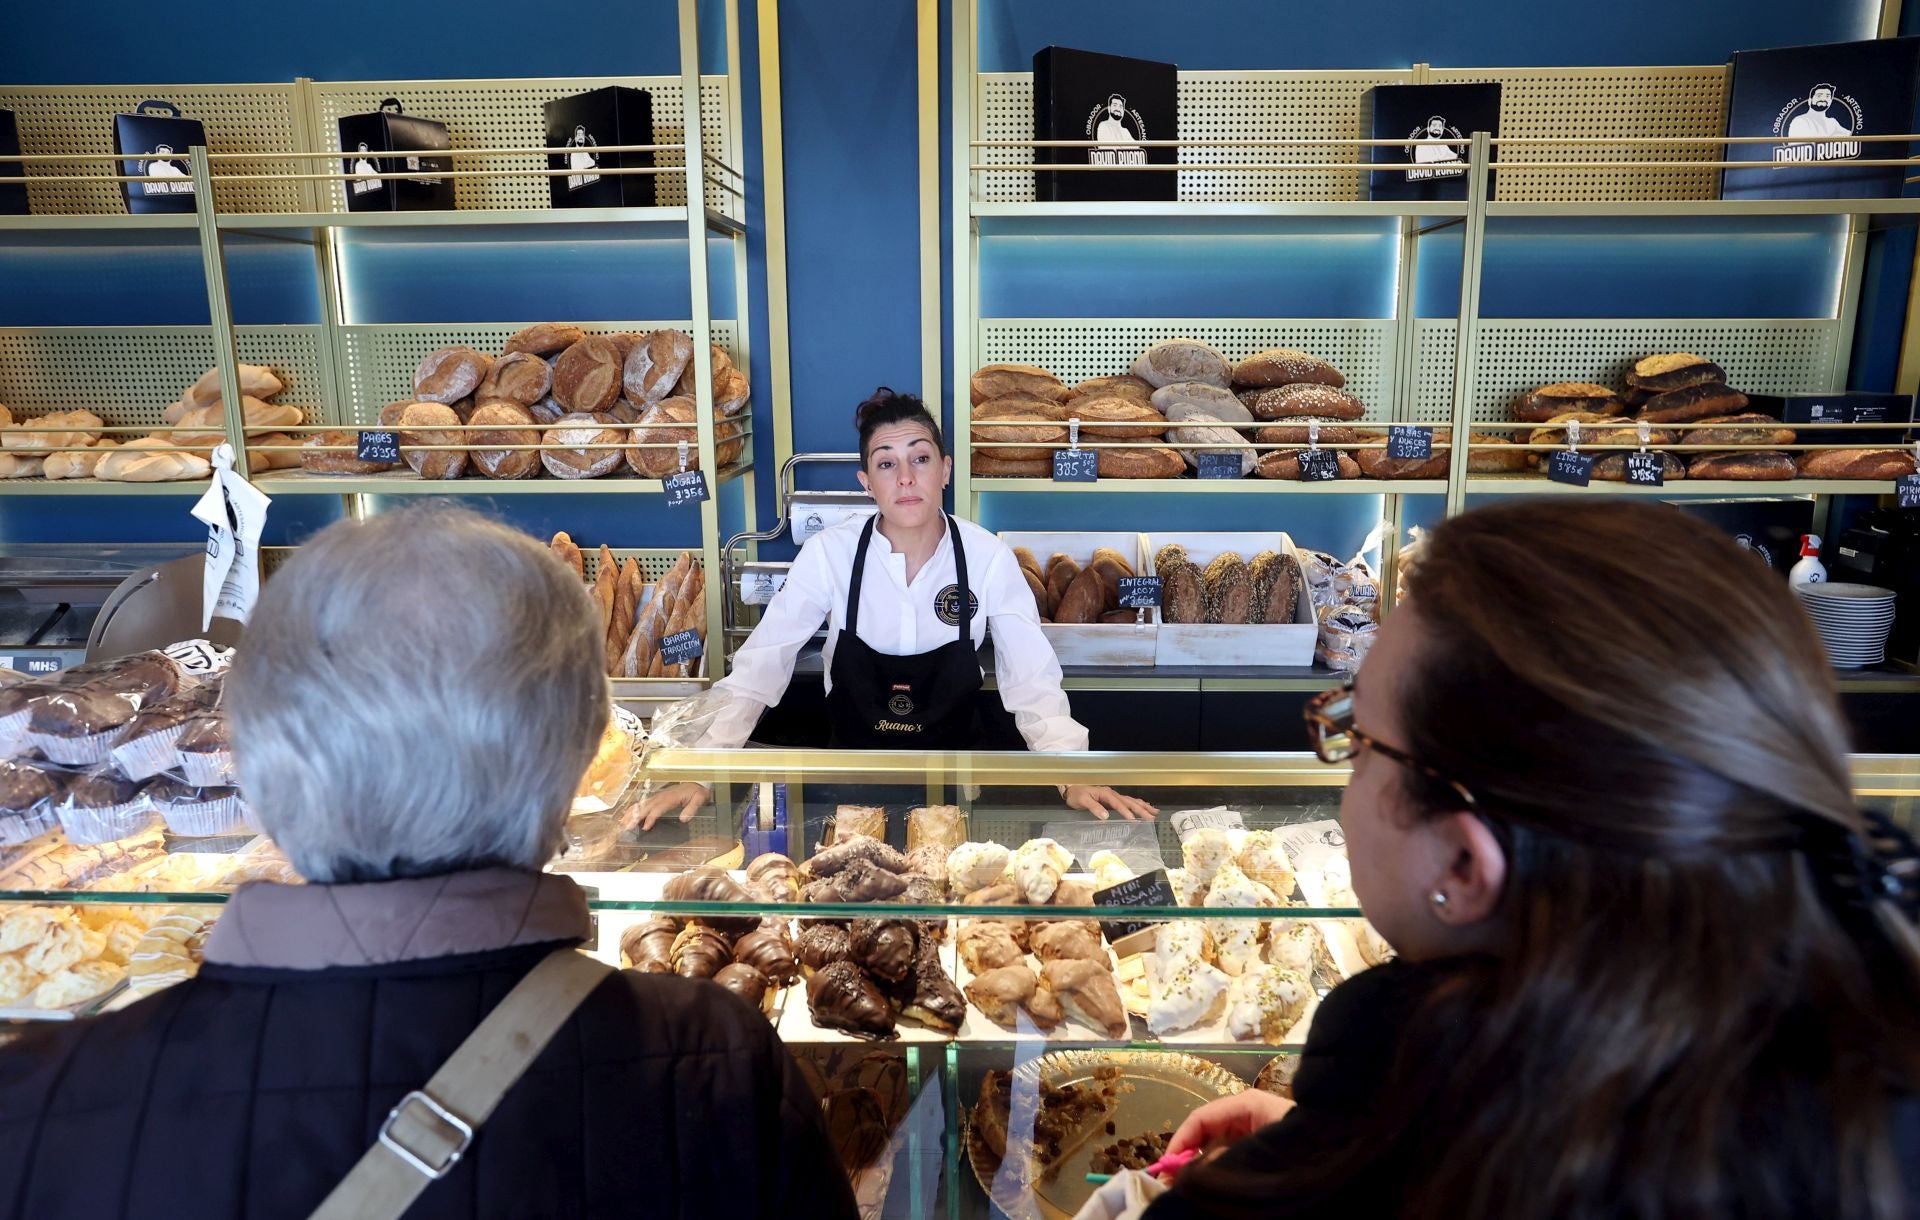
902	671
1653	961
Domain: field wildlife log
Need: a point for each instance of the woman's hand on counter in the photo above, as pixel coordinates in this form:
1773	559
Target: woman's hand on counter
682	798
1104	802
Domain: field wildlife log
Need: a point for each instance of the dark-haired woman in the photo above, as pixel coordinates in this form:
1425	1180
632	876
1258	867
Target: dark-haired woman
907	595
1653	961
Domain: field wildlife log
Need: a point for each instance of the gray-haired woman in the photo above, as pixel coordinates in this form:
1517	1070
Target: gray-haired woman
413	706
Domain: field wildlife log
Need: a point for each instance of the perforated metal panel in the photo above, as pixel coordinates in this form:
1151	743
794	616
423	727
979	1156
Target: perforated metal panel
380	360
508	114
1434	341
128	375
79	119
1599	102
1767	355
1074	349
1213	106
654	561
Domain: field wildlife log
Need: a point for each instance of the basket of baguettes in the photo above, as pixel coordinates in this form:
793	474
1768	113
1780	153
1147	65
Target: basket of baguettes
608	404
1699	426
638	615
1182	398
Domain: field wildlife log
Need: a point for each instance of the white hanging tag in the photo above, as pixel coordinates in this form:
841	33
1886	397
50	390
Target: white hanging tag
1573	434
1645	430
1073	433
234	511
683	454
1313	434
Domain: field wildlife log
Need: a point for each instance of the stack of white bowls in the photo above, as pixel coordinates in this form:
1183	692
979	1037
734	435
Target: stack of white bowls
1853	621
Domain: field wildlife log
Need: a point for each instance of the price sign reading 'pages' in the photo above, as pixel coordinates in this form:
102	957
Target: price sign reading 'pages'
377	447
1076	466
1409	441
686	487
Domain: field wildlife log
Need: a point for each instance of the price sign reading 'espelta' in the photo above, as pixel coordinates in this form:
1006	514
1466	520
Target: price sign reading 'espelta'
681	647
1076	466
686	487
1646	469
377	447
1567	466
1409	441
1319	465
1139	592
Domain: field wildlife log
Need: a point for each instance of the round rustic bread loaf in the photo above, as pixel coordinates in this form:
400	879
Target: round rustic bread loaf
544	338
659	463
1285	464
1200	430
586	377
1174	360
1026	422
1294	433
514	458
518	377
1141	464
655	363
999	380
1216	402
1097	413
422	423
582	429
1278	366
1124	386
730	392
1303	400
449	374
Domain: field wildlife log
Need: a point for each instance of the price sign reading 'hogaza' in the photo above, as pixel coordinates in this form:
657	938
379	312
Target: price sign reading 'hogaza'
686	487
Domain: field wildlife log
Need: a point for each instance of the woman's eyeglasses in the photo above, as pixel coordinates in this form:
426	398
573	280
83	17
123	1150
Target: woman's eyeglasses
1330	727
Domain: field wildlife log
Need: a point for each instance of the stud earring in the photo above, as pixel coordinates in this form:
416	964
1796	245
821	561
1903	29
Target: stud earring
1439	898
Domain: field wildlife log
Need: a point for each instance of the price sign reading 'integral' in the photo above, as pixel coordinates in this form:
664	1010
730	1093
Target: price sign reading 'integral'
1907	488
686	487
1646	469
1218	465
1137	592
1566	466
1148	890
377	447
1319	465
681	647
1076	466
1409	441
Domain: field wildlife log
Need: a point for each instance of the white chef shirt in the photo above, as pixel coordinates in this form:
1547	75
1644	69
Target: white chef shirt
899	619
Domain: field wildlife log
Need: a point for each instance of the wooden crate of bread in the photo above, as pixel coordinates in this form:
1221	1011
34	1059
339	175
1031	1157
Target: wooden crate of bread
1084	642
1236	640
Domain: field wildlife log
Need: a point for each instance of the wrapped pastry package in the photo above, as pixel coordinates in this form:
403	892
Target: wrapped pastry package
28	796
103	805
1346	633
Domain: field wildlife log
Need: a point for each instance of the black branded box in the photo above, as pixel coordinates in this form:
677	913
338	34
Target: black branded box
1426	112
1767	529
1808	411
1084	95
1813	104
363	137
152	143
13	187
586	123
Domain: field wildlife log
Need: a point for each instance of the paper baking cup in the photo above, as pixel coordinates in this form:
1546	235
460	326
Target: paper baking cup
203	819
88	751
108	824
13	731
206	769
149	754
26	829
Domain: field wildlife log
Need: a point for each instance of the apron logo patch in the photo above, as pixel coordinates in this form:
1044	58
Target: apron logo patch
946	604
901	705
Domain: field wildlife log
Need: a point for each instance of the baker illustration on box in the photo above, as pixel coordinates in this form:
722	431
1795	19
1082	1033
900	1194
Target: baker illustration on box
1116	126
363	171
581	160
1441	160
1813	118
169	174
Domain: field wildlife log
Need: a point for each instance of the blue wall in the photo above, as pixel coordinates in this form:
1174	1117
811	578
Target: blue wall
849	115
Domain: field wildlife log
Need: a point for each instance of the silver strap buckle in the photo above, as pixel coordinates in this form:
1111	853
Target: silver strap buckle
446	1116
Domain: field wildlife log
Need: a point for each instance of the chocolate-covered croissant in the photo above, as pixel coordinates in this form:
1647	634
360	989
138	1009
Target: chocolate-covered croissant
778	875
712	885
841	996
883	947
744	981
859	847
648	945
927	994
699	952
858	881
822	944
769	954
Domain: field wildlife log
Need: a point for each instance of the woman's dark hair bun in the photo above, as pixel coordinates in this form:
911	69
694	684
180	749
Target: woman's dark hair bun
884	407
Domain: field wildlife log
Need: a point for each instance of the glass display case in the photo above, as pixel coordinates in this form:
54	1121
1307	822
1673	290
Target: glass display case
994	995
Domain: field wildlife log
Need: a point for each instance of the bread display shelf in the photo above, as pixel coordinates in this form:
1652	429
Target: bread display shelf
1540	485
983	484
1218	209
406	483
488	217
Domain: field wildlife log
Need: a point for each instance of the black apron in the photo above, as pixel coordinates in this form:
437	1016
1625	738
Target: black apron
924	701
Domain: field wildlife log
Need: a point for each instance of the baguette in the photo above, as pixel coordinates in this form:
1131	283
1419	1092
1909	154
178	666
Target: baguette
138	462
621	611
256	380
569	554
603	582
645	640
686	618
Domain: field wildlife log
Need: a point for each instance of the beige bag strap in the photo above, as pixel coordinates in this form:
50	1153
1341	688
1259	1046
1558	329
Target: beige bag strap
425	1135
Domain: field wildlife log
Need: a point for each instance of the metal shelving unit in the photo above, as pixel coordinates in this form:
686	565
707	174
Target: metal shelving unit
273	172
